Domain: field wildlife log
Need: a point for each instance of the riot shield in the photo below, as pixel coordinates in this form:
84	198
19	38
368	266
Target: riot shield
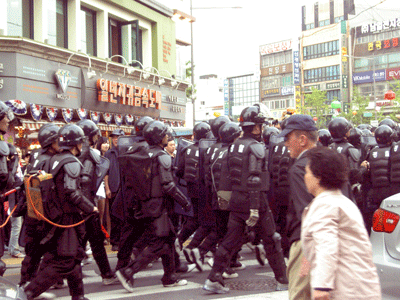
101	170
206	217
124	143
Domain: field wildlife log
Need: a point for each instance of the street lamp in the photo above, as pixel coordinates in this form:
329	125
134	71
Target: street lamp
191	51
373	78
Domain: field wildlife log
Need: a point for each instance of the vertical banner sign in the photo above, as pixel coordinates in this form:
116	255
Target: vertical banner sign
297	97
345	81
226	97
296	68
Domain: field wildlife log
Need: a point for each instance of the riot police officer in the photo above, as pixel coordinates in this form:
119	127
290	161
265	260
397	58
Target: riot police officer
64	245
161	188
36	230
206	234
248	203
90	160
340	130
324	137
132	228
376	169
188	169
6	177
392	124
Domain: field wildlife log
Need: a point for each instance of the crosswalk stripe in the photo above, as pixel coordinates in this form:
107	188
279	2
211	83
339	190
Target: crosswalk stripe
140	291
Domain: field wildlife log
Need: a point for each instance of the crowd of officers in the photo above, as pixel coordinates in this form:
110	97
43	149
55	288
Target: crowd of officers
226	187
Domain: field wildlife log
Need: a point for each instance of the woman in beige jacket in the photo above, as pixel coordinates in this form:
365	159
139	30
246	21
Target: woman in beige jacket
334	239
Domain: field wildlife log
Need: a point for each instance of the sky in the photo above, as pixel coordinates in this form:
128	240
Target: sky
226	41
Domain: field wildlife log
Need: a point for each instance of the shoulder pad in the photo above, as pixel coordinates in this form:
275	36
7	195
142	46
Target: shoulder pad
258	150
95	156
165	160
4	149
354	153
73	169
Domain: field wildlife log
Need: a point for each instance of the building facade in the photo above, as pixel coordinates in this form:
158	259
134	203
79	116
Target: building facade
111	61
239	92
278	70
210	100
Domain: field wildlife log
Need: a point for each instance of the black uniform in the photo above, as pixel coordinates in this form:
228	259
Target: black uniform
154	212
353	156
8	181
249	179
64	245
35	230
94	234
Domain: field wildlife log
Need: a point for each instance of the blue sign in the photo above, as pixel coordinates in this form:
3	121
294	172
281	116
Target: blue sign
296	68
365	77
226	97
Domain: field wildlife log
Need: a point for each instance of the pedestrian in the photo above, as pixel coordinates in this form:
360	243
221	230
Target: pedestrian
335	242
112	186
300	135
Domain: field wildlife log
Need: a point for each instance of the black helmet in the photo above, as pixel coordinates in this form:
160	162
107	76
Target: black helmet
364	126
90	129
338	128
383	135
117	132
388	122
70	135
217	123
48	134
324	137
251	116
5	111
366	132
268	132
200	131
140	124
154	132
229	132
355	137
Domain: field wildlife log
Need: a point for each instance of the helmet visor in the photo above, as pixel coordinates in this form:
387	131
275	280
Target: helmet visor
10	115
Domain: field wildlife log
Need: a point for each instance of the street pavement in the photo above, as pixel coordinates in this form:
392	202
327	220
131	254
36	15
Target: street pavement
254	282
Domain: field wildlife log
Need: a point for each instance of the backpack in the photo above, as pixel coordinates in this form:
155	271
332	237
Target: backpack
40	190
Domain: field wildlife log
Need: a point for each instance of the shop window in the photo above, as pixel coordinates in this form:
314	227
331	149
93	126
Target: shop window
58	26
88	23
20	18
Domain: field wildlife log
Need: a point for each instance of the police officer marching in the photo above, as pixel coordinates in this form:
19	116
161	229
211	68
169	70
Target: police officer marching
6	177
156	192
90	159
64	245
248	204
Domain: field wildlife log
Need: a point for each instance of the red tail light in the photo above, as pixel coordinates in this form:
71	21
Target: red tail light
384	221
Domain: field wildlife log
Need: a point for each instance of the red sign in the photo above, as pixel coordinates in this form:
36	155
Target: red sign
117	92
276	47
393	73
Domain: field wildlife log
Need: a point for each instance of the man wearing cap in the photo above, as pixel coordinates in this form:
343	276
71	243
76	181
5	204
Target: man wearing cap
112	183
300	134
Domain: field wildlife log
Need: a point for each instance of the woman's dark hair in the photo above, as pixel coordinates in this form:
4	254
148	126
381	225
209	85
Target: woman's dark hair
101	141
329	166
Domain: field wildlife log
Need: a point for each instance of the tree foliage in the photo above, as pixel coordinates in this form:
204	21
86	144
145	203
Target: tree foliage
189	76
358	104
315	104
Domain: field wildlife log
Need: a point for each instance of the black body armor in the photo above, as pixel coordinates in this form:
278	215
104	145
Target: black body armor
379	166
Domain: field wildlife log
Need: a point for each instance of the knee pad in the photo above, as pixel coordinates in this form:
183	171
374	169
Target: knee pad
276	237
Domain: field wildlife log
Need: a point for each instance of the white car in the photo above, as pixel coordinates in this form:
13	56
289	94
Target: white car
385	239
